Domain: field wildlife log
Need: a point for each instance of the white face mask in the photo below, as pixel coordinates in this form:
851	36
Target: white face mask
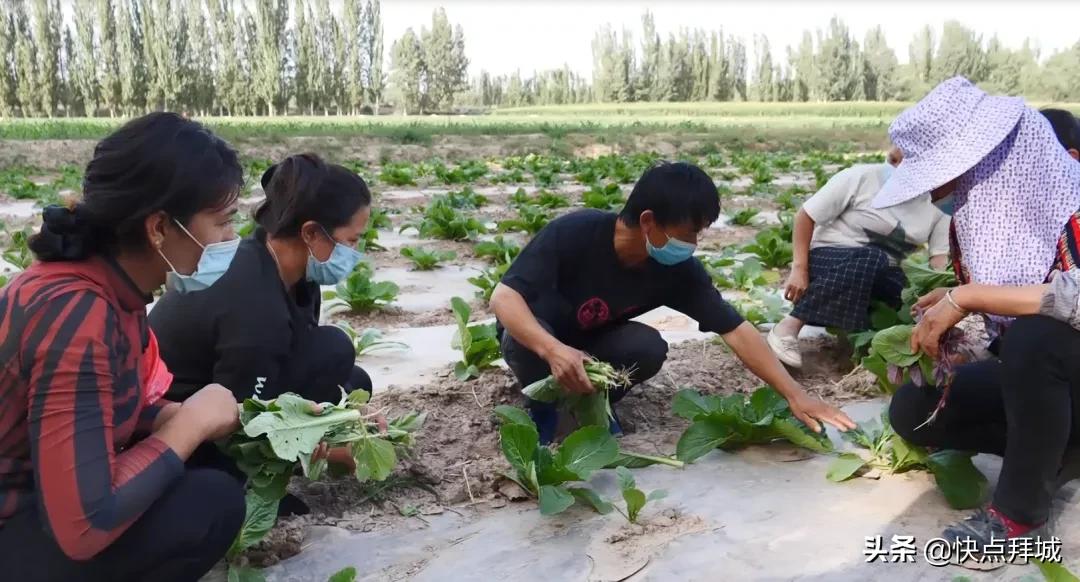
213	263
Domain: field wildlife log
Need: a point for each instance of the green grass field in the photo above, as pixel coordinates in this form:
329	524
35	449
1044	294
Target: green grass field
731	119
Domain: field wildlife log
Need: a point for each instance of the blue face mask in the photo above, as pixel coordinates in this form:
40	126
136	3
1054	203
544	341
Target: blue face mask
213	263
342	261
673	252
945	204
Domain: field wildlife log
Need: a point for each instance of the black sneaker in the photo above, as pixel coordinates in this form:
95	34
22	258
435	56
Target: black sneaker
979	532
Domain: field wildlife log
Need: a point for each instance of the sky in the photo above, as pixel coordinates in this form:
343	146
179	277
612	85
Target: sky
502	36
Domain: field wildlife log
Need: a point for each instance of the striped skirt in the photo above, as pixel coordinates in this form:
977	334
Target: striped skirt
843	282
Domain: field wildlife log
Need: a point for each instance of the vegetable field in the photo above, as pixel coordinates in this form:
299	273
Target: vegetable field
707	453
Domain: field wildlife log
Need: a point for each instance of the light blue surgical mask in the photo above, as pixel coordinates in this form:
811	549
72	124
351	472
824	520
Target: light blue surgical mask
342	261
673	252
213	263
945	204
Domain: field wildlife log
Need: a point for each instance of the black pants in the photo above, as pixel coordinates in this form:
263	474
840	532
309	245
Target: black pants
629	345
324	360
178	539
1023	408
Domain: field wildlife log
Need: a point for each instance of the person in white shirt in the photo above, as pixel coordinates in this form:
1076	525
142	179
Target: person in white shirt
847	254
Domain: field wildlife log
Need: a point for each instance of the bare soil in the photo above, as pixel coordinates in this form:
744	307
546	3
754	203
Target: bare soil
457	462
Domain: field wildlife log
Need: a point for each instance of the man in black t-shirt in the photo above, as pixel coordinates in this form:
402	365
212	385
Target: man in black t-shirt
577	284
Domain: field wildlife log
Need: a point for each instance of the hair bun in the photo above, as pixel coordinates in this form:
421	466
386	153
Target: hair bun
60	219
64	235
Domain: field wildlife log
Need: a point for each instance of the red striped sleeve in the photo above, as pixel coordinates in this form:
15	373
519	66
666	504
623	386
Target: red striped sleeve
90	493
148	415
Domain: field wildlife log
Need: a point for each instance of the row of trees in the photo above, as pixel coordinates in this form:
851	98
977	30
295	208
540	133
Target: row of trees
223	57
254	57
827	65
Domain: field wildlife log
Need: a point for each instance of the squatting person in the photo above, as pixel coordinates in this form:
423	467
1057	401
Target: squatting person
847	254
574	288
1016	195
256	330
93	480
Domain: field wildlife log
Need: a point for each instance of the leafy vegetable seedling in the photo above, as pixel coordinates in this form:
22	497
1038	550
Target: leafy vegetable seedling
442	220
379	220
498	251
464	199
634	498
426	260
744	217
963	485
923	279
486	281
360	293
608	197
369	340
478	343
545	473
398	175
551	200
18	254
530	220
762	306
773	250
732	421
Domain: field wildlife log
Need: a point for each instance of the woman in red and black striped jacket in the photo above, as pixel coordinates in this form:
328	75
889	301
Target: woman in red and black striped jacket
93	481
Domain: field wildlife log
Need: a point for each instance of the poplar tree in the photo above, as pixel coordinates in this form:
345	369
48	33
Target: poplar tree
26	64
353	36
407	71
84	61
374	77
107	66
129	56
48	42
270	17
8	102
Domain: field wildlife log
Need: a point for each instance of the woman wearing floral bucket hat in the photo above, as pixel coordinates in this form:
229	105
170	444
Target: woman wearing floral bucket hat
1016	193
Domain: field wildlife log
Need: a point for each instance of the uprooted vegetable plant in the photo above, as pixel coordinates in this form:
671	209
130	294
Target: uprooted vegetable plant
728	422
278	436
589	409
884	451
893	361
